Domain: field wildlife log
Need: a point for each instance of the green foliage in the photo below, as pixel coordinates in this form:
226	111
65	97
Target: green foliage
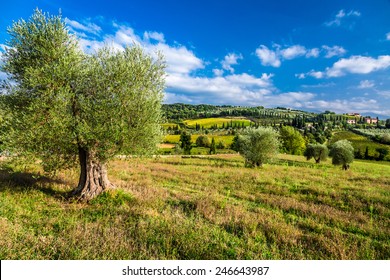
202	141
385	138
342	153
185	142
61	100
292	141
221	145
317	151
383	152
259	145
387	123
235	144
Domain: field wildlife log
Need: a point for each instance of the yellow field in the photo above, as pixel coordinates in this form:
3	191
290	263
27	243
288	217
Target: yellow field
209	122
167	125
227	139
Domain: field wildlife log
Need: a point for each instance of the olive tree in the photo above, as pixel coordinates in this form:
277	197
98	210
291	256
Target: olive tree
317	151
64	106
342	153
258	145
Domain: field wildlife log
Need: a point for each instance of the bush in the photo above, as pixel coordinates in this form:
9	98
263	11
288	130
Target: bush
258	145
203	141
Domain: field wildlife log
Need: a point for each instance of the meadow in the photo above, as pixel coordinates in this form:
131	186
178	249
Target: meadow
209	207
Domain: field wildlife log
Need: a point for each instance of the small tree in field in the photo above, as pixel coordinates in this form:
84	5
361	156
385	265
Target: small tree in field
63	105
258	145
202	141
317	151
342	153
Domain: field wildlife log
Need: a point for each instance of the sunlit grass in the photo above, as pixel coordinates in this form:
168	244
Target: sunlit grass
209	207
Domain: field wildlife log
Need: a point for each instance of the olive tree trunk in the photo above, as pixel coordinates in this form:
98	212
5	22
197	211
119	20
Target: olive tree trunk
93	177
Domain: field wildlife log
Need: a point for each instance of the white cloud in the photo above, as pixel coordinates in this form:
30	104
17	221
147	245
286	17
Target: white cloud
388	36
353	65
179	59
333	51
88	26
311	73
366	84
218	72
293	52
358	65
313	52
159	37
275	56
267	56
229	60
337	21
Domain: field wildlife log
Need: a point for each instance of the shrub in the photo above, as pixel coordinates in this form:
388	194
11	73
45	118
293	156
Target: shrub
203	141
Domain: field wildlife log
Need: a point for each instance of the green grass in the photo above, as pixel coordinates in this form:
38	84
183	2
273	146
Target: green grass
209	122
208	207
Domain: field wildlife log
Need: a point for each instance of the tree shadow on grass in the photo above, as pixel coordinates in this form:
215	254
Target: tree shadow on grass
309	164
18	182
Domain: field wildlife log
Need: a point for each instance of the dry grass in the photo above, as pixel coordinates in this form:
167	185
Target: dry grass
202	208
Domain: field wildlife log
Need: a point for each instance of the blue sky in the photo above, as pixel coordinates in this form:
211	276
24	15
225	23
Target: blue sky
309	55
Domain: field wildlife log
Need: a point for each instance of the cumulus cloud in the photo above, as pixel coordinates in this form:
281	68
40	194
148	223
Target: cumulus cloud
342	15
293	52
273	57
353	65
229	60
267	57
333	51
218	72
313	52
358	65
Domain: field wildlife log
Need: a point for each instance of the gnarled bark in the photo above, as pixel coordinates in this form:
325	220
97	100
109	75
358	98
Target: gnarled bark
93	177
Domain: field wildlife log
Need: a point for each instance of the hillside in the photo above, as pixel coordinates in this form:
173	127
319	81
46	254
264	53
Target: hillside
200	208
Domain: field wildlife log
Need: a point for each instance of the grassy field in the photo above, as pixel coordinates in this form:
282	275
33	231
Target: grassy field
209	122
200	208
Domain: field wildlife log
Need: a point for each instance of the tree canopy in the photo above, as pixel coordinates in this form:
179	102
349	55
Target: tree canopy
62	104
